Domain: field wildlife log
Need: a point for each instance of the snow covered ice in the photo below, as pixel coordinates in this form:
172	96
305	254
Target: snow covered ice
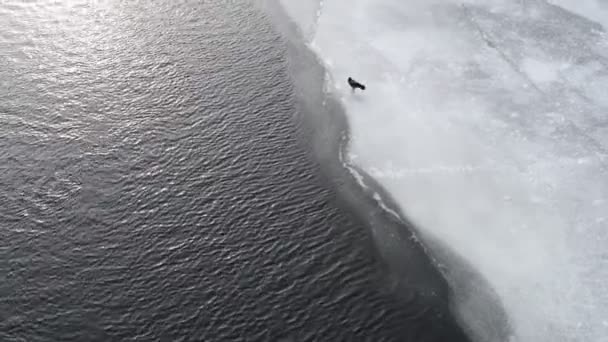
487	121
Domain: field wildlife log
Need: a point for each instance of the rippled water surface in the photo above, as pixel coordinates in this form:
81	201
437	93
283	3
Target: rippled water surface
155	185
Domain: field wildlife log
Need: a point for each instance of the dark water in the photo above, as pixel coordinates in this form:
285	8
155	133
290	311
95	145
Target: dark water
157	184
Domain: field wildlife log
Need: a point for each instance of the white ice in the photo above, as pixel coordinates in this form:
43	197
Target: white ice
487	120
594	10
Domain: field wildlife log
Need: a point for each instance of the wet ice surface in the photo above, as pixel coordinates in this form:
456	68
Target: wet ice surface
488	123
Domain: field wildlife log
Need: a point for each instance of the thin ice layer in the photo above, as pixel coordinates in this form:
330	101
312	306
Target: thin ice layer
488	123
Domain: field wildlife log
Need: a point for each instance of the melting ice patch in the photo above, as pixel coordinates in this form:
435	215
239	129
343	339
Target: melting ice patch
487	121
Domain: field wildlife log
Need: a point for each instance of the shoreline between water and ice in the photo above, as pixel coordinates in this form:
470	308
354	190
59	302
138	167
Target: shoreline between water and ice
485	122
326	122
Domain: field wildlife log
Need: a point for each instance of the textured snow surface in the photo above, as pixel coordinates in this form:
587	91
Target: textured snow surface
487	121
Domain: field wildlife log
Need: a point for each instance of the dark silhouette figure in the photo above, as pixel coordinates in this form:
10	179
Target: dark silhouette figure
354	84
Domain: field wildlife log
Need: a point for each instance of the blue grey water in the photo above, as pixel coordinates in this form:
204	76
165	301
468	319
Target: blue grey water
157	182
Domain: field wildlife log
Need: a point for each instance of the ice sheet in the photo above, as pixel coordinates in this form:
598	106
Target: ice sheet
487	121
